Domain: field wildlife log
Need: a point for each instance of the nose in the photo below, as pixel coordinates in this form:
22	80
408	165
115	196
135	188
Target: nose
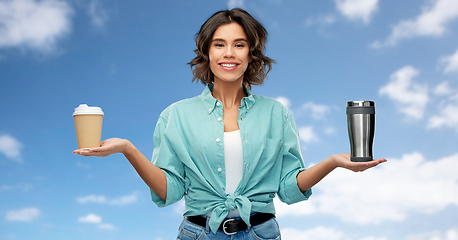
228	53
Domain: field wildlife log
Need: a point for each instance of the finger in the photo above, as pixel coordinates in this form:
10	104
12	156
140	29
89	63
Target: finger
96	149
377	162
80	151
86	154
372	164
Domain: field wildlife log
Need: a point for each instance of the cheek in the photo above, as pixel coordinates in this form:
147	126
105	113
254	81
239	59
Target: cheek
212	57
211	62
247	60
213	53
247	57
245	67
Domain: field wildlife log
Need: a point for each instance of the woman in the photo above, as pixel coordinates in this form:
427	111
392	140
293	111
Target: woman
228	152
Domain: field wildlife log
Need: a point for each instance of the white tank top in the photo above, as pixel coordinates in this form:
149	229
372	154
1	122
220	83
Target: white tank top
233	158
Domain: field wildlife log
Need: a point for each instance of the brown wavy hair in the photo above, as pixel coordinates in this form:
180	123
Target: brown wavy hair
256	34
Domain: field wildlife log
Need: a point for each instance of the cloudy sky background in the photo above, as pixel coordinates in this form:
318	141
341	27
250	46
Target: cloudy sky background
129	57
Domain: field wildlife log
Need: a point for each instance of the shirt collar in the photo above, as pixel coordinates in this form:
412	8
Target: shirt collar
210	102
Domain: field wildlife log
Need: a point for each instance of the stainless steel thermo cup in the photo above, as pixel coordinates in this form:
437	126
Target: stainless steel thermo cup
361	128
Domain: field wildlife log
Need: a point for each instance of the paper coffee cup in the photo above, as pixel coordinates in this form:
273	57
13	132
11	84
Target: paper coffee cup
88	126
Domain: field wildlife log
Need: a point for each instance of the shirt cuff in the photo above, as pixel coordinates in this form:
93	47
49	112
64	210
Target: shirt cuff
172	195
293	193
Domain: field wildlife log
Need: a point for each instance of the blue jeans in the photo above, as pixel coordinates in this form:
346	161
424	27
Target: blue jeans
268	230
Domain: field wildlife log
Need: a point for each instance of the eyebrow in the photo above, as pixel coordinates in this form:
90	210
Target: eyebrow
222	40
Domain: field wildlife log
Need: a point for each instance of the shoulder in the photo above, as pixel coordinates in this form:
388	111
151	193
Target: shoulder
274	104
181	105
267	100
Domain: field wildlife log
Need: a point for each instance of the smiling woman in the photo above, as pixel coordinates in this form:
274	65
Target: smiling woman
249	32
229	53
227	152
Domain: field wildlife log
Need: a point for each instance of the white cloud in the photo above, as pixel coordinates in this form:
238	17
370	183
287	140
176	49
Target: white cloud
179	207
317	111
409	97
330	130
11	236
285	101
10	147
92	199
451	62
106	226
320	233
98	15
374	238
447	117
23	215
123	200
95	219
308	135
361	10
235	4
81	165
431	22
388	192
451	234
33	24
320	20
5	188
23	187
90	218
443	89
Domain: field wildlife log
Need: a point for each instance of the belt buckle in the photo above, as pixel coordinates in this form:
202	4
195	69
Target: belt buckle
224	227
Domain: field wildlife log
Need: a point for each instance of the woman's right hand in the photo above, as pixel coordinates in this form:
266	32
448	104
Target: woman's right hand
153	176
107	147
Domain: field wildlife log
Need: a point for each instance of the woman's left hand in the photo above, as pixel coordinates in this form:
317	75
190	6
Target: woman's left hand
343	160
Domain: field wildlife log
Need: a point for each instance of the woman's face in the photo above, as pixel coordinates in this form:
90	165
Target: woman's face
228	53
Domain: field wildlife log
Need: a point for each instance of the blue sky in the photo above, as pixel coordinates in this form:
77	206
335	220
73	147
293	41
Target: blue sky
129	58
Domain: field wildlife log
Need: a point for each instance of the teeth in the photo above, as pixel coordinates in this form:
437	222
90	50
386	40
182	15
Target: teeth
228	65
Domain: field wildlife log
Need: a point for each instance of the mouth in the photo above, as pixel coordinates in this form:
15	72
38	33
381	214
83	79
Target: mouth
228	65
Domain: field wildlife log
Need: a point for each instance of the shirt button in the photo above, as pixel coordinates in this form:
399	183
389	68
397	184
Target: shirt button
219	169
219	119
217	140
218	103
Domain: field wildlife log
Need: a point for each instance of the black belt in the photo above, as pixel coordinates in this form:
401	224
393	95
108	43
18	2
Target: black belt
232	226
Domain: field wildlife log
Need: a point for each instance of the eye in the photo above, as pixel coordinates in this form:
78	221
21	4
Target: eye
219	45
239	45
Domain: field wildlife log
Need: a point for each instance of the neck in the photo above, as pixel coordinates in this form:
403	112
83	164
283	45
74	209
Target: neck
230	94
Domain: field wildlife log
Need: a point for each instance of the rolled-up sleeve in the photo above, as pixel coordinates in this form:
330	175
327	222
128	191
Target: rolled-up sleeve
292	164
166	159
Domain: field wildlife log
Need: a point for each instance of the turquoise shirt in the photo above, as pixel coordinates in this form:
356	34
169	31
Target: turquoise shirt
189	147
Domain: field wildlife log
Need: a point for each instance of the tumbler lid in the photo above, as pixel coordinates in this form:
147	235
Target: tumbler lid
360	107
360	104
84	109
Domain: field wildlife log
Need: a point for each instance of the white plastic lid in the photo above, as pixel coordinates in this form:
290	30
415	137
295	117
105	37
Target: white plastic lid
85	109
